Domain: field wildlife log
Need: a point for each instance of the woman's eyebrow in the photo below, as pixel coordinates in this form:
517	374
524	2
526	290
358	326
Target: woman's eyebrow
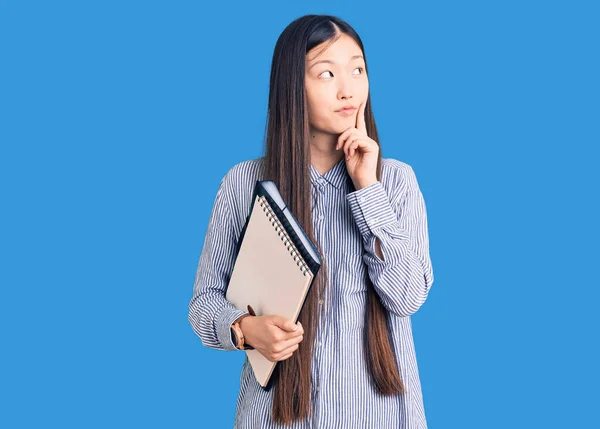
333	62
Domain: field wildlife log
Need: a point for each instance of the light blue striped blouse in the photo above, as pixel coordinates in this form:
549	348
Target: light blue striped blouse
346	224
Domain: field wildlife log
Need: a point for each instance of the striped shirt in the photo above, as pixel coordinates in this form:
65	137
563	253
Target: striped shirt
346	225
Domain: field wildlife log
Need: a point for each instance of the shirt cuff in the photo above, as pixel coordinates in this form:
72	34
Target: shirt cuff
224	321
371	208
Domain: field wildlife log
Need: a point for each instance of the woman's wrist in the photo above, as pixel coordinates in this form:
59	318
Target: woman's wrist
246	328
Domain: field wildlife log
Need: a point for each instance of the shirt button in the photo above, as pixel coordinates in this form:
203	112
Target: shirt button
321	301
319	345
361	199
321	217
376	220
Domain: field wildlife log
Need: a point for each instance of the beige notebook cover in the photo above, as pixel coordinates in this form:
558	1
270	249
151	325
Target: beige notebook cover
269	274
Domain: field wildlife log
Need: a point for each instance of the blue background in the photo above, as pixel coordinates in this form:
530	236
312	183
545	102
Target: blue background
118	120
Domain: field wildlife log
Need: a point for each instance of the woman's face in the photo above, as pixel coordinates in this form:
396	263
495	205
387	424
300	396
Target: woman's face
331	85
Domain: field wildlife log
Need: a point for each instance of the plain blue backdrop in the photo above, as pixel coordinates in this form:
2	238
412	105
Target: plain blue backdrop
119	119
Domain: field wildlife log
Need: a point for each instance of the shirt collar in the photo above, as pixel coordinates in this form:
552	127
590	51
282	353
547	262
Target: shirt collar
336	176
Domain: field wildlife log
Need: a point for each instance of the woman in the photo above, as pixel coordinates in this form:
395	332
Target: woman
350	360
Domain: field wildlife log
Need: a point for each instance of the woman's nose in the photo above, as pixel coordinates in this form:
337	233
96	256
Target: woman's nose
345	87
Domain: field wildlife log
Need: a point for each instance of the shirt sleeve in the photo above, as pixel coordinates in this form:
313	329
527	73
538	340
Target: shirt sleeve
405	275
210	313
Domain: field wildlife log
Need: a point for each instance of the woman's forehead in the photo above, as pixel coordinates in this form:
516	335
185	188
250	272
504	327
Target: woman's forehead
341	50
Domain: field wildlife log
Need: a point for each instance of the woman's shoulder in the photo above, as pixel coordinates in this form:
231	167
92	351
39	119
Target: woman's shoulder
395	167
397	176
238	183
243	173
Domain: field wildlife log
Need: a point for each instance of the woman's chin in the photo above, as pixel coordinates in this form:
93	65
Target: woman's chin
338	127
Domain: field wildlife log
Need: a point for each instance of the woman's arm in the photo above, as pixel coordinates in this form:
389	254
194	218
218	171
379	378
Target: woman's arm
210	313
401	271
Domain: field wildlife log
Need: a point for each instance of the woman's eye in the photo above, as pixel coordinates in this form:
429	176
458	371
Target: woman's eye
357	68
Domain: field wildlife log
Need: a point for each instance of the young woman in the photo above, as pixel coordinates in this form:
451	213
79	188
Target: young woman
350	360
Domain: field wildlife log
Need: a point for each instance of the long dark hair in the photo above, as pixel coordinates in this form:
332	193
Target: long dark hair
287	163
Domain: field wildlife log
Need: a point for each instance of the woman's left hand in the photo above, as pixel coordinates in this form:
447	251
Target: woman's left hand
361	152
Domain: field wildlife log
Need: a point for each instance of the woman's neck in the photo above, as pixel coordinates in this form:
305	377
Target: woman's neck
323	154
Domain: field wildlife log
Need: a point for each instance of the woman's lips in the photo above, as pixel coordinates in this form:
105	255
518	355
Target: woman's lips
346	112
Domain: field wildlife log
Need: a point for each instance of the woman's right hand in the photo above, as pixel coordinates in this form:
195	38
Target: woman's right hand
273	336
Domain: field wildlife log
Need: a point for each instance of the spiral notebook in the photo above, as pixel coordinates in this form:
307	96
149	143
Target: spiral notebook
275	266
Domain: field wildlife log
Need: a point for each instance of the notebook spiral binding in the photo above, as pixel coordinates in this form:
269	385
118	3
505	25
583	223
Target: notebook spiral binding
284	235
